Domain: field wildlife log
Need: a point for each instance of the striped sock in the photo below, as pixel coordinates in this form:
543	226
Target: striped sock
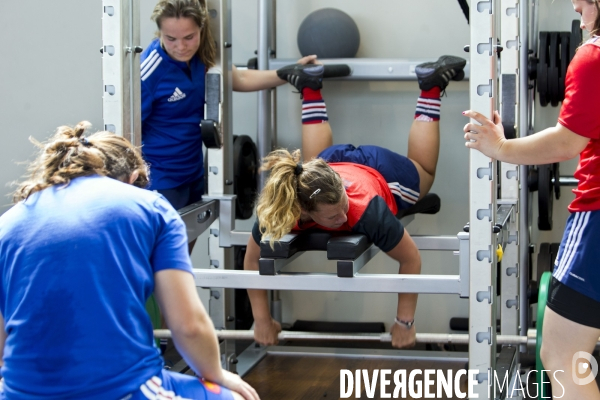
428	105
314	110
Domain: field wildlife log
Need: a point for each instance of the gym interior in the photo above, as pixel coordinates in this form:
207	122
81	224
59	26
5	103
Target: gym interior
53	75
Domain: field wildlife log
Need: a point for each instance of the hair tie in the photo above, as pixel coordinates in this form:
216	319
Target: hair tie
84	141
298	169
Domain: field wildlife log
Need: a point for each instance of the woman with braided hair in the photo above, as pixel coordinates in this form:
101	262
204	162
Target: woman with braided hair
356	189
80	253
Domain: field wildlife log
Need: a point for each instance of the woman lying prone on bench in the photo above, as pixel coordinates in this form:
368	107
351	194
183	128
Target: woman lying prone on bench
350	189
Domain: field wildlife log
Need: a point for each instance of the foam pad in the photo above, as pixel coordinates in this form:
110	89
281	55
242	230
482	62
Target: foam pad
213	96
339	245
348	247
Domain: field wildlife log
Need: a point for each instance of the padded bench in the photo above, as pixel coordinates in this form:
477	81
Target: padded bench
350	249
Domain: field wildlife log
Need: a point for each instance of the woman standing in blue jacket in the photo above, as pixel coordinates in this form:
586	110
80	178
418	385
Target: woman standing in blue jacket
173	69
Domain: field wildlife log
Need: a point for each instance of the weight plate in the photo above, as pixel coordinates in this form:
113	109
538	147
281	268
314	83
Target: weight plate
565	45
553	86
545	197
553	65
576	37
542	68
245	171
544	261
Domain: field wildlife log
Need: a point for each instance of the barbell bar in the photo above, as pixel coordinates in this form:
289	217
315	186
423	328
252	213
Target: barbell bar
463	338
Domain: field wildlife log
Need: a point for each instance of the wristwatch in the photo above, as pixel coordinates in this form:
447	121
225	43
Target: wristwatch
406	324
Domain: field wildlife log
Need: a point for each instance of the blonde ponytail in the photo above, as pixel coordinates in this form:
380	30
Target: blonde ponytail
293	187
278	209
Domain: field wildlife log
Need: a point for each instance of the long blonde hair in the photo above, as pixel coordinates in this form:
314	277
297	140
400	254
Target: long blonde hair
69	155
197	11
291	188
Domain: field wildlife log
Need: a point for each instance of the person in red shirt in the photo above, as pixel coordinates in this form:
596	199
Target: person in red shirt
572	316
343	188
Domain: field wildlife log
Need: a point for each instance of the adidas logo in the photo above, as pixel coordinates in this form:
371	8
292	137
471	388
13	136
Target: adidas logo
177	95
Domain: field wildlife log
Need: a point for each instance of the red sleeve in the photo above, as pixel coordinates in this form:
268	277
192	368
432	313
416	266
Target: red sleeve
580	109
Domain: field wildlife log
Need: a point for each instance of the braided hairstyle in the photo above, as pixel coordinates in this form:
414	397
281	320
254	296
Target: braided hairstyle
291	188
69	154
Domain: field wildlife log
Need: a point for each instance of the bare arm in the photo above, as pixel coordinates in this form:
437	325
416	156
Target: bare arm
265	327
192	330
250	80
407	254
551	145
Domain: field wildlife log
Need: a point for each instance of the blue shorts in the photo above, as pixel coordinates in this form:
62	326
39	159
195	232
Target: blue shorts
573	305
184	195
398	171
576	265
171	384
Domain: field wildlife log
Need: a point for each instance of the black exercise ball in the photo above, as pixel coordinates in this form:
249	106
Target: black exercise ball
328	33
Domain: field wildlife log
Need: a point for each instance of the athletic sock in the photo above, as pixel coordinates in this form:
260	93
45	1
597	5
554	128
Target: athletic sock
314	110
428	105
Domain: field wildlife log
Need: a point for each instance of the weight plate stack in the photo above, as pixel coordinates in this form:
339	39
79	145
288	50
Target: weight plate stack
555	52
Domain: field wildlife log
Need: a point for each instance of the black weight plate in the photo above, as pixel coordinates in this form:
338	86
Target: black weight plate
553	50
542	68
553	65
544	97
545	197
544	260
565	45
532	179
556	175
211	137
553	86
576	37
532	63
245	171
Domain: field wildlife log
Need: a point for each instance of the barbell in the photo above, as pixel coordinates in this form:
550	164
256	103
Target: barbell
362	337
534	336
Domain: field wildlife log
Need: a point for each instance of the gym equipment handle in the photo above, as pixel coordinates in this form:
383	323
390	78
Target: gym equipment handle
336	71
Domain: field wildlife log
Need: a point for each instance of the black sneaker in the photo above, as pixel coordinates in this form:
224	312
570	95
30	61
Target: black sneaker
303	75
440	72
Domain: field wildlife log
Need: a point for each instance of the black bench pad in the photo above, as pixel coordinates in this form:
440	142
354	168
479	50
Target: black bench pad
339	245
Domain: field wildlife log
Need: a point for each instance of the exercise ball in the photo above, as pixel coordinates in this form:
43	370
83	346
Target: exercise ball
328	33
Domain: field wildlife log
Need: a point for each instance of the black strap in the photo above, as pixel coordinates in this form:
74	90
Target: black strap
465	8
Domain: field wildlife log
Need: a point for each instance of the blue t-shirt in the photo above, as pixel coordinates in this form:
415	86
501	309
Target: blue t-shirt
172	108
77	267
